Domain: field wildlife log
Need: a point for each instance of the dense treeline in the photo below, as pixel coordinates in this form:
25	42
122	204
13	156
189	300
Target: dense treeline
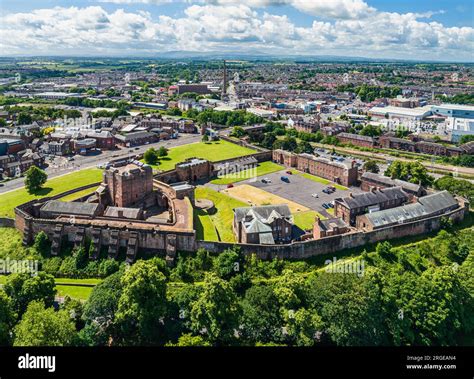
369	93
229	118
460	187
419	294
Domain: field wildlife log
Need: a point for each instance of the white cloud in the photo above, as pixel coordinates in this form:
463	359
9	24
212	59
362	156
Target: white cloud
232	28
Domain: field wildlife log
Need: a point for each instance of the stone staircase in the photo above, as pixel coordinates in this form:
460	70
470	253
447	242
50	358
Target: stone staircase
79	238
132	247
170	249
114	244
56	241
95	241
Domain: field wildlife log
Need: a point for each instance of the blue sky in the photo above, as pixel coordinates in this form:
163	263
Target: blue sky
412	29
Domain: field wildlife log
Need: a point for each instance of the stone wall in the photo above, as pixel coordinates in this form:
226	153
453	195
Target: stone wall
6	222
333	244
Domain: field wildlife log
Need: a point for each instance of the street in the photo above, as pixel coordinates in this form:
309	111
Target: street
62	166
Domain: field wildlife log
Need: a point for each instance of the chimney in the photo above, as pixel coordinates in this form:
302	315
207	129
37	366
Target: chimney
353	164
120	213
351	195
373	189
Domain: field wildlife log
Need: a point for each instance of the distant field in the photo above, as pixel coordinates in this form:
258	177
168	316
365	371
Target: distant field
212	151
223	217
263	168
318	179
9	200
255	196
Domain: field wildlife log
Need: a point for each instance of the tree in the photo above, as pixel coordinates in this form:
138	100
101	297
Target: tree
7	318
142	304
228	264
238	132
151	156
24	288
42	326
216	311
371	166
190	340
429	309
205	138
303	326
24	118
371	131
304	147
101	307
35	178
349	307
261	320
413	172
42	244
162	151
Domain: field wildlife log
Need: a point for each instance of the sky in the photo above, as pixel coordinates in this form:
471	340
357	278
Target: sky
440	30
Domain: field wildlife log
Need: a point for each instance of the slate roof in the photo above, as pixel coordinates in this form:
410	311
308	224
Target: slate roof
367	199
424	208
70	208
133	213
263	212
391	182
356	136
332	222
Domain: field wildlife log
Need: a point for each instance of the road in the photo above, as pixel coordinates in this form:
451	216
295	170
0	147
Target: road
61	166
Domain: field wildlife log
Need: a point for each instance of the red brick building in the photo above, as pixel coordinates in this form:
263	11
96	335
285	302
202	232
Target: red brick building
336	172
356	139
284	158
329	227
350	207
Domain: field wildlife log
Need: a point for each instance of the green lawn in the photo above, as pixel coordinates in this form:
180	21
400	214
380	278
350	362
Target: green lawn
318	179
305	220
11	245
212	151
74	292
68	287
9	200
224	215
205	229
77	195
263	168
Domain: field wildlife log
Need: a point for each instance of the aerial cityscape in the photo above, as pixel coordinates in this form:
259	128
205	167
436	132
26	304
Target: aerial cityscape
272	174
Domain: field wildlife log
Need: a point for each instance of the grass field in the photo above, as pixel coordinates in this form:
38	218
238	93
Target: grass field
205	229
222	218
250	195
74	292
305	220
9	200
263	168
317	179
212	151
69	287
77	195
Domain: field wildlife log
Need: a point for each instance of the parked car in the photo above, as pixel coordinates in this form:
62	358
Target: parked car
230	185
266	180
285	179
289	172
315	195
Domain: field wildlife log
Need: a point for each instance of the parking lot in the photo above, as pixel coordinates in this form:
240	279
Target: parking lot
300	190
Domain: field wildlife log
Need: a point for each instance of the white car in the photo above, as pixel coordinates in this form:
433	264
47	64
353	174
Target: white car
315	195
